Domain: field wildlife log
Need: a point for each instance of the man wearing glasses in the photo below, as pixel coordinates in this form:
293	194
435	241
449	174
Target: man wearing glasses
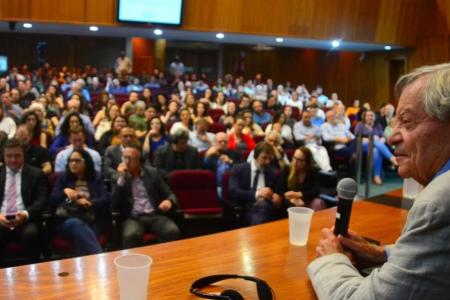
143	199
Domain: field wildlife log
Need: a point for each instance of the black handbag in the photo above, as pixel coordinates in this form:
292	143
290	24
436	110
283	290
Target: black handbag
69	209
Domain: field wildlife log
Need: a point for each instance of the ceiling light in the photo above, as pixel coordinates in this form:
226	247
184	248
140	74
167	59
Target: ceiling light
387	47
279	40
220	35
335	43
27	25
93	28
157	31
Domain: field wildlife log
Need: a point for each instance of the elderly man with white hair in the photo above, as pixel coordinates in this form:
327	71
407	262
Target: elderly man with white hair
417	265
77	87
280	159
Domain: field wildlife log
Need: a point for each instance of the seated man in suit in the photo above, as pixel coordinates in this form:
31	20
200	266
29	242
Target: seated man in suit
114	153
220	159
254	185
23	197
178	155
143	198
417	265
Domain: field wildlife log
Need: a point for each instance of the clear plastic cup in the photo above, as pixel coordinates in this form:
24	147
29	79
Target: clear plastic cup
299	224
133	273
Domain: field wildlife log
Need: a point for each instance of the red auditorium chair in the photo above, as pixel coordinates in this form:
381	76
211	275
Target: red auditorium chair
196	191
217	127
215	114
121	98
259	138
199	207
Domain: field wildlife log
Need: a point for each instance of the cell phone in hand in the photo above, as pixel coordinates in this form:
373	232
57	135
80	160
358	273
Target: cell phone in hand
10	217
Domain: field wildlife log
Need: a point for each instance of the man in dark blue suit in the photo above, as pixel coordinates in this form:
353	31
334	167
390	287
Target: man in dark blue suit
254	186
23	197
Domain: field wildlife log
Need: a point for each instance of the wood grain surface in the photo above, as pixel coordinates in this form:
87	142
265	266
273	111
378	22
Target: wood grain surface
262	251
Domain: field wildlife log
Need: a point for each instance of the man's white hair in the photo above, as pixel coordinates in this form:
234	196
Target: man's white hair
435	94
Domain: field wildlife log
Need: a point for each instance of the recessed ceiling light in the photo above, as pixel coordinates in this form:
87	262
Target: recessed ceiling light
27	25
387	47
220	35
157	31
335	43
93	28
279	40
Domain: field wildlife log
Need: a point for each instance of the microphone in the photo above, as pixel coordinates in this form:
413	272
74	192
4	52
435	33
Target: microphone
346	190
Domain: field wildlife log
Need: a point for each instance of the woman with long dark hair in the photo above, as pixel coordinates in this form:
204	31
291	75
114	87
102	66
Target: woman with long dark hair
201	112
79	198
72	120
33	122
104	122
300	182
155	138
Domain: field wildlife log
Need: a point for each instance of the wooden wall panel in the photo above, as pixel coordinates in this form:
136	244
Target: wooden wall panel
342	72
143	55
99	52
58	11
15	10
378	21
101	12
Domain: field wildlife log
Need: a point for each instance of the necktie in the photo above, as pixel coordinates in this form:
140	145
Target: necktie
11	196
255	179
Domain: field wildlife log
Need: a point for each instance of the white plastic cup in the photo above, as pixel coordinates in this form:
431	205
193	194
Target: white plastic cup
299	224
133	273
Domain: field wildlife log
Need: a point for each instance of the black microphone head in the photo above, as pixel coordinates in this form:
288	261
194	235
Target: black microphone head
347	188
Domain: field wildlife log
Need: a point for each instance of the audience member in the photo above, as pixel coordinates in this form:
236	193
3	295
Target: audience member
308	135
21	211
144	200
73	120
35	155
260	116
280	159
123	65
301	182
339	137
11	109
137	120
366	128
77	141
200	138
238	140
79	198
184	123
114	154
220	159
31	119
254	186
7	125
178	155
73	106
155	138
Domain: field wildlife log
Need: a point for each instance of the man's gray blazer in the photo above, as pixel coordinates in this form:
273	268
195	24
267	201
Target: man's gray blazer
418	266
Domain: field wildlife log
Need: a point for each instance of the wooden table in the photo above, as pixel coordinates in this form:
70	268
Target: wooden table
262	251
